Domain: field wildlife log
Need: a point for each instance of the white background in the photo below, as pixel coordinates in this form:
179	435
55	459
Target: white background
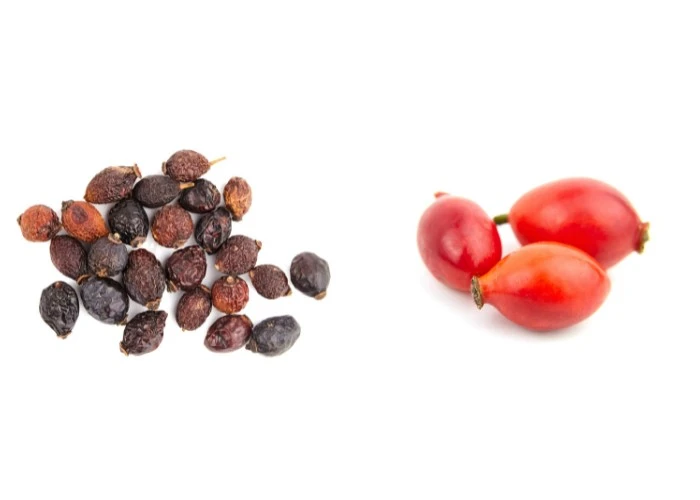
345	117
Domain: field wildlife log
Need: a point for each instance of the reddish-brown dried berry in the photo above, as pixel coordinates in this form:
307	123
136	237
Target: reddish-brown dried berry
39	223
187	165
144	278
107	256
186	268
229	294
201	198
270	281
238	197
229	333
112	184
104	299
155	191
194	308
144	333
310	274
213	229
69	256
172	226
59	308
129	220
237	255
83	221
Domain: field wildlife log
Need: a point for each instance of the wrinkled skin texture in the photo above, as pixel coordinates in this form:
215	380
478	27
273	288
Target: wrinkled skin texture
193	308
112	184
237	255
107	256
105	300
144	278
201	198
129	220
186	166
229	294
82	220
155	191
172	226
59	308
274	336
310	274
186	268
69	256
39	223
144	333
270	281
544	286
213	229
228	333
238	197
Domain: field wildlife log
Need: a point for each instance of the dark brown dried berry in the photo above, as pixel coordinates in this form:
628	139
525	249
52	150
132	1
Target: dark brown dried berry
112	184
104	299
129	220
274	336
237	255
229	294
39	223
213	229
172	226
186	268
144	278
69	256
107	256
238	197
201	198
83	221
187	165
144	333
270	281
154	191
310	274
59	308
228	333
194	308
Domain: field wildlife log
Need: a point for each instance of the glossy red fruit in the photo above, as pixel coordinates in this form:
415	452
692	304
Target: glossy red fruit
585	213
544	286
457	240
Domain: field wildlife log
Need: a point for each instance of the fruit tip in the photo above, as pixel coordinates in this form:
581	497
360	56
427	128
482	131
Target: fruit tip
476	293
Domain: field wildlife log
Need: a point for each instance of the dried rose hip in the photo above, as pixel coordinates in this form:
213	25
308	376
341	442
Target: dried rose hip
187	165
238	197
201	198
310	274
39	223
144	278
213	229
129	220
274	336
229	294
172	226
83	221
59	308
237	255
193	308
144	333
270	281
155	191
69	256
112	184
104	299
228	333
186	268
107	256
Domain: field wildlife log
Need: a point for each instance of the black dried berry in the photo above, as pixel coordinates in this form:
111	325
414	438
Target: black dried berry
69	256
129	220
237	255
186	268
274	336
229	333
310	274
154	191
144	333
104	299
213	229
270	281
59	308
112	184
193	308
144	278
107	256
187	165
172	226
201	198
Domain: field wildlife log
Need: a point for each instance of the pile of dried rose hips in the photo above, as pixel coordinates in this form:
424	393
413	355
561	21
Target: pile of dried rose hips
571	230
95	252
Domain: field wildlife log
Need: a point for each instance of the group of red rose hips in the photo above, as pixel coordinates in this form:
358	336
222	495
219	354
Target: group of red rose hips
95	252
571	230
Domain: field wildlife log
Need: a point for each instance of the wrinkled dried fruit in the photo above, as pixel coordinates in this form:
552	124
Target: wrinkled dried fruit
213	229
187	165
129	220
229	294
238	197
228	333
186	268
112	184
172	226
201	198
274	336
39	223
270	281
59	308
107	256
154	191
69	256
237	255
104	299
144	278
144	333
310	274
193	308
82	220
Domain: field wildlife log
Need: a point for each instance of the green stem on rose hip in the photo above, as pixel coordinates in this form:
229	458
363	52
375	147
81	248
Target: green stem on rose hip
501	219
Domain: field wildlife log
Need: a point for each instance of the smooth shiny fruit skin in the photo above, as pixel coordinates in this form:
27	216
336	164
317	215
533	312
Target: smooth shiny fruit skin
457	240
582	212
544	286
